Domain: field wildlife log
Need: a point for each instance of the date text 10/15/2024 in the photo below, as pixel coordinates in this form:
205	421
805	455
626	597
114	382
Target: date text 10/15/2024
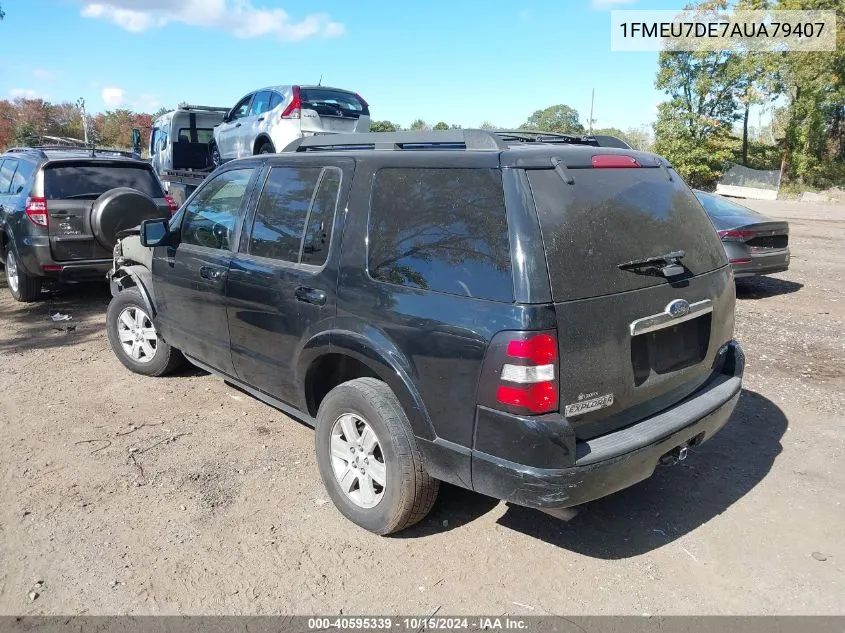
497	623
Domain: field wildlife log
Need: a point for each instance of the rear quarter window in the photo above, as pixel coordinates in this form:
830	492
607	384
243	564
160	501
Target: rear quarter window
443	230
613	216
91	180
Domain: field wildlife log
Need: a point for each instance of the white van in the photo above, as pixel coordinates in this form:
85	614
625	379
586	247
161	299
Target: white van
181	139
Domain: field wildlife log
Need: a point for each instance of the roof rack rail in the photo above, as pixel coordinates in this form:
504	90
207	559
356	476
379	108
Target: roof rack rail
476	140
92	150
201	108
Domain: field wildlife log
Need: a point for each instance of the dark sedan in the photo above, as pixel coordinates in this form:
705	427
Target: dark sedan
755	244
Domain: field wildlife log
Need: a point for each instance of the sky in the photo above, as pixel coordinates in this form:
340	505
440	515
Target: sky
459	61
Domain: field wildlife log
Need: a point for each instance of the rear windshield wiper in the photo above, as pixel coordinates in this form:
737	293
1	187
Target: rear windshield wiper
83	195
668	265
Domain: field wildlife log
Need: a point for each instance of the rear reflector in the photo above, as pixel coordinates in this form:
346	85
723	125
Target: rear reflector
52	268
724	234
294	109
36	211
614	161
740	261
537	398
172	204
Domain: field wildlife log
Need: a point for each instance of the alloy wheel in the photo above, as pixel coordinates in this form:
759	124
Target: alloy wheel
137	334
12	272
358	461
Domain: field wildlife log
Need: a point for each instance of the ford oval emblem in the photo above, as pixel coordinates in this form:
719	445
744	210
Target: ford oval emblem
678	308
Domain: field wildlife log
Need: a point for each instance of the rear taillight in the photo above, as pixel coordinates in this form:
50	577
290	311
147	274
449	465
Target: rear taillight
735	234
294	109
172	204
520	373
361	99
614	161
36	211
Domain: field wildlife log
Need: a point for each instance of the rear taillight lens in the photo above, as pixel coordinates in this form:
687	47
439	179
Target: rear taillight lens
735	234
294	109
520	373
614	161
172	204
36	211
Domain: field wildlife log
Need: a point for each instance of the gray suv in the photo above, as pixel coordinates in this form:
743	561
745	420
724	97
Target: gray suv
61	210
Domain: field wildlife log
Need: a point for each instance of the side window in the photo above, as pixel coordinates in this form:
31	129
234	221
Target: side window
212	216
162	135
275	100
318	233
260	104
154	141
282	211
21	177
441	229
7	171
242	109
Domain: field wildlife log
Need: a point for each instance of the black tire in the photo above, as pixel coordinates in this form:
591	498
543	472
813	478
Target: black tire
165	358
267	148
410	491
24	288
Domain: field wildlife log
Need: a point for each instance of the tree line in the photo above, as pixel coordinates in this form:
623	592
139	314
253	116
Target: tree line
39	122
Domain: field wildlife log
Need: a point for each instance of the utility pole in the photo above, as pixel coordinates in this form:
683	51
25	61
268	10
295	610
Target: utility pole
592	101
80	103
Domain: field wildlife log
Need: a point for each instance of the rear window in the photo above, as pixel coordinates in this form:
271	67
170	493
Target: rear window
613	216
91	181
720	208
204	135
328	102
441	229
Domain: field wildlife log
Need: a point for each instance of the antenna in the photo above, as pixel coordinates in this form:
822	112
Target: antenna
592	101
320	83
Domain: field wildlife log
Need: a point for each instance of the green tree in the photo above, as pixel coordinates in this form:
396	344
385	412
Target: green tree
487	125
420	126
440	125
382	126
557	118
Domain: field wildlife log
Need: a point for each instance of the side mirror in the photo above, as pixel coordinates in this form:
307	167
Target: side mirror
154	232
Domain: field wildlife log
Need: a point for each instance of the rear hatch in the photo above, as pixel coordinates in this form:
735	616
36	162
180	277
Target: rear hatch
72	186
622	356
332	110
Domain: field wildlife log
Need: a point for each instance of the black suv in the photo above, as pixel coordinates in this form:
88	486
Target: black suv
542	321
62	207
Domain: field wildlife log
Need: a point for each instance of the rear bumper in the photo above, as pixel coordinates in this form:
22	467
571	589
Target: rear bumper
34	255
617	460
761	263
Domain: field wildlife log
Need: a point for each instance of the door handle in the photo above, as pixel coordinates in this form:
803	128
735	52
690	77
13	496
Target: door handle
238	125
212	274
311	295
261	118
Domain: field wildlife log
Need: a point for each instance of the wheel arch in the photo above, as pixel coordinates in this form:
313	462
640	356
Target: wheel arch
135	276
259	141
352	355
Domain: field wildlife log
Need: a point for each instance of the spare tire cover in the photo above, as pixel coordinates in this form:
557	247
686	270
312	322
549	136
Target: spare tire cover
120	209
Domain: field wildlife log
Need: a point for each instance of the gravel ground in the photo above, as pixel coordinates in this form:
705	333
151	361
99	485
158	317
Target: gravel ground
126	495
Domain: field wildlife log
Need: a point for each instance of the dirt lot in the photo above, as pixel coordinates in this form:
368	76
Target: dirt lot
122	494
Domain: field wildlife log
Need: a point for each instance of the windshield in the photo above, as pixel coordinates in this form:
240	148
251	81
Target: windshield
328	102
610	217
77	180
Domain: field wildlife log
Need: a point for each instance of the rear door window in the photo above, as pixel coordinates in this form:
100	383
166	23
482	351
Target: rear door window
260	104
81	180
328	102
441	229
21	177
614	216
297	203
275	100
